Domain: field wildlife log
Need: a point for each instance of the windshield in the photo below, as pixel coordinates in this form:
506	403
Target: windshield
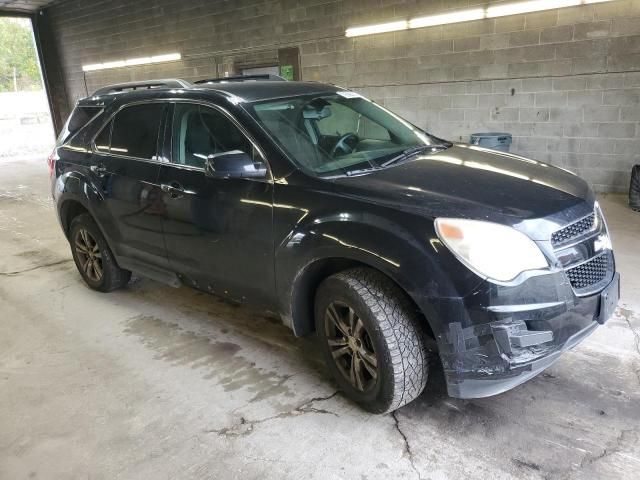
339	133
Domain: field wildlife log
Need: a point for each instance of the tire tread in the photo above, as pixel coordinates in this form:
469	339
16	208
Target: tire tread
399	325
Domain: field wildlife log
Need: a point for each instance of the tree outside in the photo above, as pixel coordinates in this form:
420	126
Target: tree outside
18	61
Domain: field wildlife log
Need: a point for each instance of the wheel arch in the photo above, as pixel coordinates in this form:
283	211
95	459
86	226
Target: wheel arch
70	209
307	282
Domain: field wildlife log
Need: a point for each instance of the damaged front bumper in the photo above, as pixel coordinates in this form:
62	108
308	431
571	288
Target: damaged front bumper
511	334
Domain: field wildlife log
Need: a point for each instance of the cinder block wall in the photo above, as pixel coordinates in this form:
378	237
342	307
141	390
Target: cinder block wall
565	82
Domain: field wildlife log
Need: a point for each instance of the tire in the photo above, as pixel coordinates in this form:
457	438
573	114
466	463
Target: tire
392	333
93	257
634	188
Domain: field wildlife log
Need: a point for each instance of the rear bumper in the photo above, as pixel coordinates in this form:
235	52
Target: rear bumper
507	341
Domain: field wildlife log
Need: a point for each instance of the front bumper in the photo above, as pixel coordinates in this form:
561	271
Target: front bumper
511	335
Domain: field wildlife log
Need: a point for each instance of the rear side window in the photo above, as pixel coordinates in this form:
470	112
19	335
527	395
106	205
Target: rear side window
78	119
135	131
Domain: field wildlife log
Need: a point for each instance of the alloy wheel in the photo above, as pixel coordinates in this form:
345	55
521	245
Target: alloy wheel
89	255
351	346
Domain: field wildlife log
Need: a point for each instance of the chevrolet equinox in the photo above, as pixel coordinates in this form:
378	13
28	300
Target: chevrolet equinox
314	202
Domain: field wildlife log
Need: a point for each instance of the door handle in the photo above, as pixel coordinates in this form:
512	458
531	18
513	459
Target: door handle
99	170
174	189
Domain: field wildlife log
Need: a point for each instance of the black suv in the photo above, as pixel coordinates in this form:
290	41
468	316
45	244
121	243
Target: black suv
309	200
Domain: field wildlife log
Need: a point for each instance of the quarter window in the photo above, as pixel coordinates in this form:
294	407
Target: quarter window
135	131
103	140
200	131
79	118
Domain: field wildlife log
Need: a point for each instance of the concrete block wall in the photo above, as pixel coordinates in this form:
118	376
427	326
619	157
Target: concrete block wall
578	123
564	82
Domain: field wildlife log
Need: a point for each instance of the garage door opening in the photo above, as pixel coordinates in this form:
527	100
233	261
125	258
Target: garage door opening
26	129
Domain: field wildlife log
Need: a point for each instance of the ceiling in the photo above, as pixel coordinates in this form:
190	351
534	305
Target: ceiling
23	6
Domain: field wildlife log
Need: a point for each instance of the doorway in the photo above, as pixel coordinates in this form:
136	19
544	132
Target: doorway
26	129
273	70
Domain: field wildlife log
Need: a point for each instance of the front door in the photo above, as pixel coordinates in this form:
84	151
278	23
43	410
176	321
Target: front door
218	232
126	167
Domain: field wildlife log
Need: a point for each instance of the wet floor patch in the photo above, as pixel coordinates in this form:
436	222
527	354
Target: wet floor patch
217	359
205	311
22	194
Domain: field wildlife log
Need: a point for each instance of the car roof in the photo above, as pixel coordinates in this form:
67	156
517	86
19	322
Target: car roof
245	91
252	91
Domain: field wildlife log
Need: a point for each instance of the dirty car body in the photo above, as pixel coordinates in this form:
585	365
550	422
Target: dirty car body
271	239
494	335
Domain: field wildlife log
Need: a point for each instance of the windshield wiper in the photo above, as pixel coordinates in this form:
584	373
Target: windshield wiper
410	152
360	171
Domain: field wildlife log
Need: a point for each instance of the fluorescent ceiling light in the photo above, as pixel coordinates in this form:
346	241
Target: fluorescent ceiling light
94	66
380	28
457	16
137	61
527	7
453	17
113	64
169	57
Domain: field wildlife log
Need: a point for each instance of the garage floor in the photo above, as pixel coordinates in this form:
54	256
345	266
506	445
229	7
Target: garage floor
155	382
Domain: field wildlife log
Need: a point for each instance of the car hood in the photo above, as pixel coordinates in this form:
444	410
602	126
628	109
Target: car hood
471	182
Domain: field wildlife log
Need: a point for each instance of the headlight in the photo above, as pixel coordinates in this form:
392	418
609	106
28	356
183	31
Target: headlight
490	249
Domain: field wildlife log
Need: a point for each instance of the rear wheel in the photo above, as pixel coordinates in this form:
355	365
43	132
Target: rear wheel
371	339
93	257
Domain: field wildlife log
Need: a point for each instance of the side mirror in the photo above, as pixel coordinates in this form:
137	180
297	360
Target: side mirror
233	164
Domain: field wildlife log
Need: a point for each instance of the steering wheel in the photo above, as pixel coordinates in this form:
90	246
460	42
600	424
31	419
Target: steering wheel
347	144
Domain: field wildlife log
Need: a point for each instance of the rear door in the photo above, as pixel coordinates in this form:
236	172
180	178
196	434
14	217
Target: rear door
218	232
126	165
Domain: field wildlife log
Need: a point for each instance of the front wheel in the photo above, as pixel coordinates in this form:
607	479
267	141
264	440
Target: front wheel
371	339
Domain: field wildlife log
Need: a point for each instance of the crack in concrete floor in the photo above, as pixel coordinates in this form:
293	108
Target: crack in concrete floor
626	314
612	449
36	267
245	427
407	445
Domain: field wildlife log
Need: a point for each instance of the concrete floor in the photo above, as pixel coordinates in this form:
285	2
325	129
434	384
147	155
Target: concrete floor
154	382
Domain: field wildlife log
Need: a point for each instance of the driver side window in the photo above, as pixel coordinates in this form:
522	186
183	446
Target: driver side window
200	131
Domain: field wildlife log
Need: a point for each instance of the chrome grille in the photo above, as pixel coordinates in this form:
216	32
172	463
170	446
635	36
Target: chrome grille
572	231
589	273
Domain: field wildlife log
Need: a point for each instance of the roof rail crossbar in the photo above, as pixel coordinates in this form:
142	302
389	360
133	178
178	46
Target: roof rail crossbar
122	87
242	78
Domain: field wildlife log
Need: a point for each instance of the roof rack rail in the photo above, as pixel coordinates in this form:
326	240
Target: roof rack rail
121	87
242	78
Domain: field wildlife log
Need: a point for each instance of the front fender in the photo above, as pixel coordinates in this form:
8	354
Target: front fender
404	250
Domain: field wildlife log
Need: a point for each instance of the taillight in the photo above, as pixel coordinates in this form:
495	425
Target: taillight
51	162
